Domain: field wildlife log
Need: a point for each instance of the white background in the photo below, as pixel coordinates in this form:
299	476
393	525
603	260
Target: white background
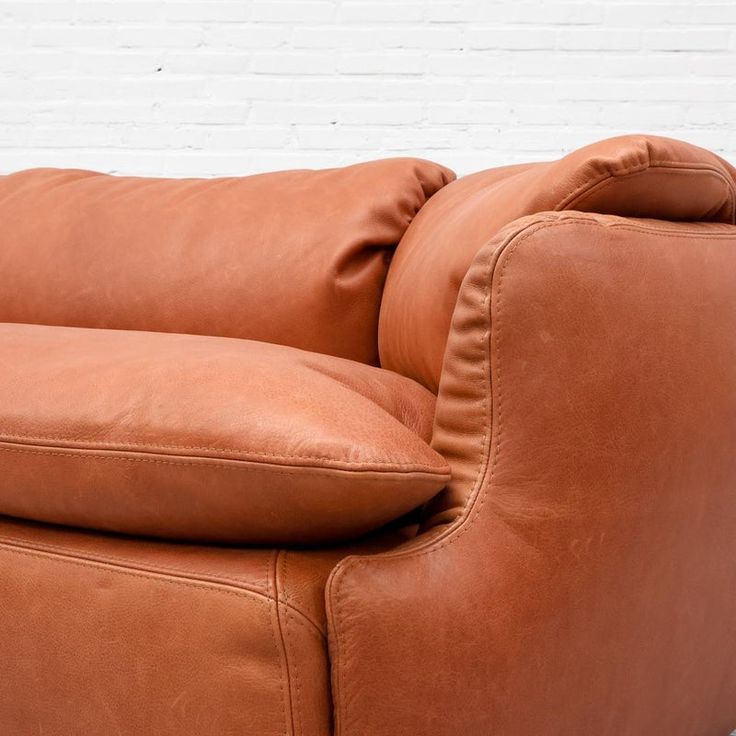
238	86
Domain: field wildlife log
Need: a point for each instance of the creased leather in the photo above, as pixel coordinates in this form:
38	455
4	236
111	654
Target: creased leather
578	576
207	438
295	257
633	176
106	635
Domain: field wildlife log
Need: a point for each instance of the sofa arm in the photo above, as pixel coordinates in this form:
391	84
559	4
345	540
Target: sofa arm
579	574
628	176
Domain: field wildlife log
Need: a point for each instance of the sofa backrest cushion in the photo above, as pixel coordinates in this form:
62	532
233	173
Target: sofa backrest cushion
294	257
632	176
207	438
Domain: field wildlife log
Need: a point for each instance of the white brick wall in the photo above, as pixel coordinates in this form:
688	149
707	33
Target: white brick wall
235	86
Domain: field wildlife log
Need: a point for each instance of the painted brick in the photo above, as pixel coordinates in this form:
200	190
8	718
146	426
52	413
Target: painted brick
206	87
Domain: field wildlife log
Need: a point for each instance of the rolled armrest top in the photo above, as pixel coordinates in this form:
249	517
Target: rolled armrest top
629	176
588	413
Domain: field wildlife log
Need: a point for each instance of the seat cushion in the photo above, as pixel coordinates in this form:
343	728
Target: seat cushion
632	176
294	257
207	438
103	635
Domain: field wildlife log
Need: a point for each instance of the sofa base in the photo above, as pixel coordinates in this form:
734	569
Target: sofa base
105	635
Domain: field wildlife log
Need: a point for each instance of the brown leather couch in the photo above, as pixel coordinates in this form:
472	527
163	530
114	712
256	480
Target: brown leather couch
260	474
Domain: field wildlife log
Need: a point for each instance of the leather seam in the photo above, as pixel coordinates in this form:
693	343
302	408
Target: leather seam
487	470
685	235
580	193
232	463
481	485
125	566
282	651
296	710
602	184
464	521
299	710
80	562
129	561
581	219
136	573
334	590
243	455
690	235
524	232
520	235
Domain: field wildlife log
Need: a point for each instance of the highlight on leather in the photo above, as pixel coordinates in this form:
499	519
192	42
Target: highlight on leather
294	257
588	412
207	438
631	176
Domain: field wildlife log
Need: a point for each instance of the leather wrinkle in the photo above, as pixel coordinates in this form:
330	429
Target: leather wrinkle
465	520
578	195
476	500
216	464
281	650
249	457
116	565
524	233
297	709
647	175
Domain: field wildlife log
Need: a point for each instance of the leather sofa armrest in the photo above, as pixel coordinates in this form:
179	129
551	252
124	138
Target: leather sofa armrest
577	576
632	176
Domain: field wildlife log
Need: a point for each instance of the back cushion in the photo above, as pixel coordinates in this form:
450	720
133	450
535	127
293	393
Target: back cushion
295	257
631	176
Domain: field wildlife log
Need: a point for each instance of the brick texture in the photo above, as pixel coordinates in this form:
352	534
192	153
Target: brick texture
237	86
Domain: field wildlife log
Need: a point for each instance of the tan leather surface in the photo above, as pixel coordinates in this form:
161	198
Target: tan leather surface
103	635
635	176
297	258
207	438
586	584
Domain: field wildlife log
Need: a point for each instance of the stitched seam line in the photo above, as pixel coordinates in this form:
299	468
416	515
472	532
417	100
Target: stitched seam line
79	562
481	488
136	573
587	188
527	231
640	168
241	454
128	566
296	711
562	218
282	652
671	233
460	526
278	650
524	233
115	560
230	464
730	201
480	491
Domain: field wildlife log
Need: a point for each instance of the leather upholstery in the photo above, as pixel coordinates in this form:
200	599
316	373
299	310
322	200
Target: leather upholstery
207	438
633	176
575	577
297	257
103	635
579	577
